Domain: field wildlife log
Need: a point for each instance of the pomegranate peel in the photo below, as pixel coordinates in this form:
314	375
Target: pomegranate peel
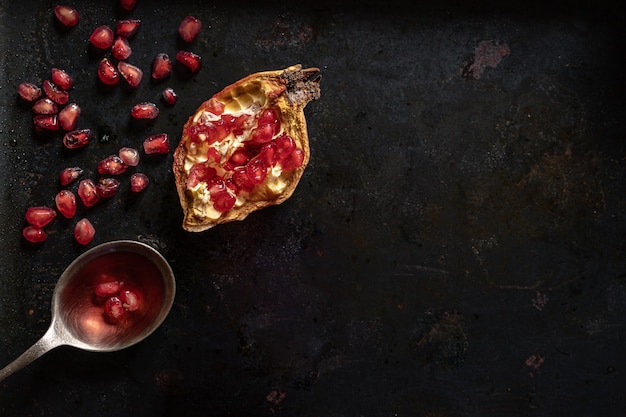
229	161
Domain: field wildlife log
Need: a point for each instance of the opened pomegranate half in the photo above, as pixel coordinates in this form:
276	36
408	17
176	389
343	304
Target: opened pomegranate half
245	148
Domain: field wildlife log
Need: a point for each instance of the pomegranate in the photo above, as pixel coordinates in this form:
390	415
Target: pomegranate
77	138
87	192
102	37
131	298
65	201
169	96
127	27
29	92
144	111
189	28
128	5
157	144
54	93
130	156
245	148
84	231
66	15
108	287
107	73
61	79
69	175
138	182
40	216
131	73
112	165
161	66
34	234
46	123
189	60
107	187
68	116
121	49
45	106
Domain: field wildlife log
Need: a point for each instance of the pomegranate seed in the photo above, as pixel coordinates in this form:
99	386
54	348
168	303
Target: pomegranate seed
241	180
107	73
107	187
84	231
131	299
66	15
121	48
77	138
102	37
215	106
29	92
128	5
284	146
138	182
107	289
130	156
87	192
200	172
114	311
189	60
54	93
112	165
65	201
161	67
46	122
293	160
224	201
34	234
69	175
131	73
256	170
158	143
40	216
45	106
61	79
144	111
239	158
189	28
169	96
68	116
127	27
263	133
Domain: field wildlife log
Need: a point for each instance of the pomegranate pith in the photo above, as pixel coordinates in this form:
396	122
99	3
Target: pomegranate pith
65	201
84	231
40	216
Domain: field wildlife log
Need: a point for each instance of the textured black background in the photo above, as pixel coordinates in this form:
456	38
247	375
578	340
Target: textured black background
455	248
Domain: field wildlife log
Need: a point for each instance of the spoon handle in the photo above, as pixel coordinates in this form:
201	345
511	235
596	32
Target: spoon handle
48	341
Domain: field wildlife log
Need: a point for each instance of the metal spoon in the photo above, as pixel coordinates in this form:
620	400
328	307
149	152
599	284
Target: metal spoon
78	322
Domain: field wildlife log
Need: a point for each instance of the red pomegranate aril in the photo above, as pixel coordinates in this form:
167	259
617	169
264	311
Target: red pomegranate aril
107	187
114	311
68	116
144	111
65	201
263	133
128	5
130	156
161	67
107	73
169	96
29	92
127	27
121	49
269	153
45	106
200	172
269	116
293	160
40	216
107	288
54	93
239	158
131	73
215	106
256	170
131	299
69	175
87	192
84	231
112	165
61	79
66	15
77	138
284	146
34	234
157	144
241	180
189	28
138	182
102	37
46	122
189	60
224	201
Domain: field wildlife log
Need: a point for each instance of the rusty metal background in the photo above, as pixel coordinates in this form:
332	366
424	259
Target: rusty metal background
456	246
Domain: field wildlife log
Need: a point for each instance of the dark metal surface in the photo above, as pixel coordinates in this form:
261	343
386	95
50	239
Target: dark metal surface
456	246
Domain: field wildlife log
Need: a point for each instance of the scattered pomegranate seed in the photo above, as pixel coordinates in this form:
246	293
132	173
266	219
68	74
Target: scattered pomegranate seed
107	73
108	287
54	93
107	187
65	201
40	216
189	60
144	111
293	160
68	116
34	234
198	173
102	37
77	138
66	15
114	311
156	144
169	96
128	5
189	28
161	67
87	192
127	27
112	165
61	79
45	106
29	92
131	73
256	170
46	122
138	182
84	231
131	299
121	49
130	156
69	175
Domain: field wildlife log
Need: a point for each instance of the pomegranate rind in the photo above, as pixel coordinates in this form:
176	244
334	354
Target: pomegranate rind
289	91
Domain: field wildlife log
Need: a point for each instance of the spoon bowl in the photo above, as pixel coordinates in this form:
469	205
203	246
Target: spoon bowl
77	316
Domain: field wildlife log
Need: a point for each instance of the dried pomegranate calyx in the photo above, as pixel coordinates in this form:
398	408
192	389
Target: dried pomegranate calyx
245	148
